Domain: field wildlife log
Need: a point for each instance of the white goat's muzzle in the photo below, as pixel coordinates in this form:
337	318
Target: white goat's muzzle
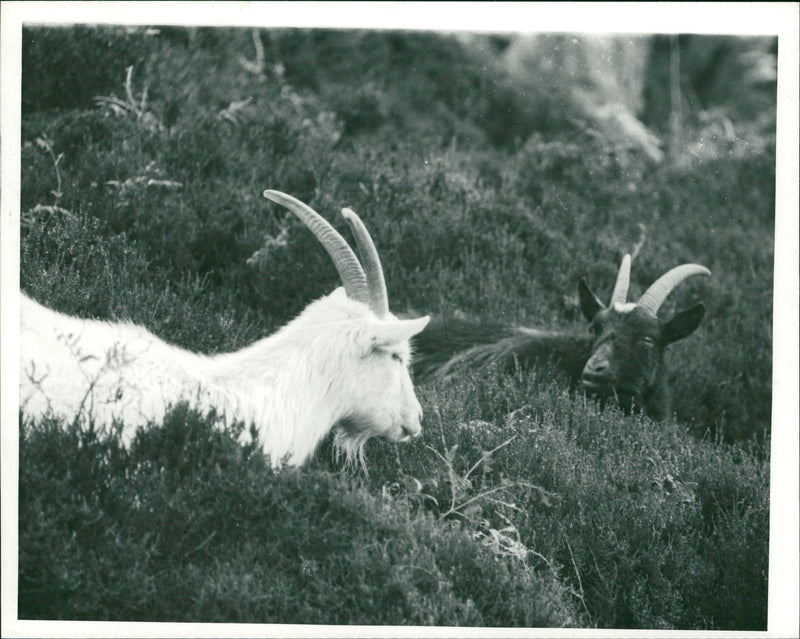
413	427
411	431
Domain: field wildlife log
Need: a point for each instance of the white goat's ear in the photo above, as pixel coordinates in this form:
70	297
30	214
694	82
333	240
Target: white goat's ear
388	333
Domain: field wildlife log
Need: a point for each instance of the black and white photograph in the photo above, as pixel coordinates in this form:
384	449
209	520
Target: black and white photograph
399	319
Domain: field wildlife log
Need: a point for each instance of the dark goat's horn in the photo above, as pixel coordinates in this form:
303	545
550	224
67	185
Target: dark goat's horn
347	265
620	294
654	296
378	298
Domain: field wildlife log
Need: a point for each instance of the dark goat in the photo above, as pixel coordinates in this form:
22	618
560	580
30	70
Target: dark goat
622	358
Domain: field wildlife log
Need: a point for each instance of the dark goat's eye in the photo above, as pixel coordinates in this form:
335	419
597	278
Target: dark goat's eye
649	342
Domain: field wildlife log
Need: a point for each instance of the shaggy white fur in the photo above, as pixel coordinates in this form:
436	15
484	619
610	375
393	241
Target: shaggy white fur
336	365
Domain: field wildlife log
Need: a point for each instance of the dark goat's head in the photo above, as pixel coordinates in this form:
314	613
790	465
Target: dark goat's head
629	339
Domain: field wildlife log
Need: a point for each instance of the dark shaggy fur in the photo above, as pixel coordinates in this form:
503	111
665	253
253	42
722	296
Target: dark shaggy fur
448	344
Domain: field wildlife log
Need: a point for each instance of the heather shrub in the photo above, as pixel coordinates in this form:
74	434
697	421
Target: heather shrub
630	513
189	526
57	71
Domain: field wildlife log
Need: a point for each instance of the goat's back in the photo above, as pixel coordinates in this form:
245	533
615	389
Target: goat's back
444	337
71	366
452	344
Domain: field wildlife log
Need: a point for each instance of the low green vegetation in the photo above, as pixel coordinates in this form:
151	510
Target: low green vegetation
188	526
521	505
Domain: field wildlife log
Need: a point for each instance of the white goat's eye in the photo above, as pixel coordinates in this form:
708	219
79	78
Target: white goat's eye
396	357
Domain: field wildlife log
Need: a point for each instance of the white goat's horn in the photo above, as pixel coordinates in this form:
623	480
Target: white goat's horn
378	298
654	296
349	268
620	294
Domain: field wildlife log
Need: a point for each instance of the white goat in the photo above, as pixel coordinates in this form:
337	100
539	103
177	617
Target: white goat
343	363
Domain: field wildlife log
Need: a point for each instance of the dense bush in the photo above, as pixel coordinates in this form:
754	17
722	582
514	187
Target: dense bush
633	514
68	67
188	526
521	505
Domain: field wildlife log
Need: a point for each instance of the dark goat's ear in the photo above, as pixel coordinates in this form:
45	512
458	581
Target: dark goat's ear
684	323
590	305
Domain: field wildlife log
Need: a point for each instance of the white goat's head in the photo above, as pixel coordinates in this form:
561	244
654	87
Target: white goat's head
361	349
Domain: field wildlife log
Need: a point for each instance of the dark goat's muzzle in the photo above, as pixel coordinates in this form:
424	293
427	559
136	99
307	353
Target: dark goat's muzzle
598	374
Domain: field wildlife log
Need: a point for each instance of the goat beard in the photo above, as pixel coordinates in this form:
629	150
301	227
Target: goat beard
349	444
